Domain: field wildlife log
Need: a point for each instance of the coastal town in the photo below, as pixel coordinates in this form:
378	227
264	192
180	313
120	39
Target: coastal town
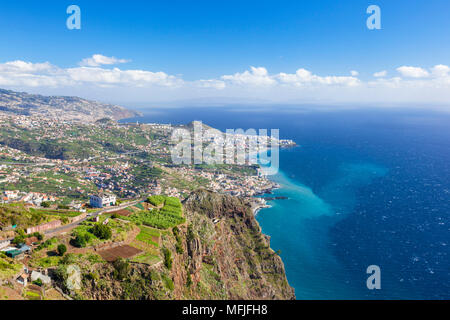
57	177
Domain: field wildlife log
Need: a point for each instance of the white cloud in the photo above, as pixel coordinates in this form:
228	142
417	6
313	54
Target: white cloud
440	71
27	74
22	67
354	73
216	84
116	76
380	74
415	84
254	77
304	77
413	72
98	60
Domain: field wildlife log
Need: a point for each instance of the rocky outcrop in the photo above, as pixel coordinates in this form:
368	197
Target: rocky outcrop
228	255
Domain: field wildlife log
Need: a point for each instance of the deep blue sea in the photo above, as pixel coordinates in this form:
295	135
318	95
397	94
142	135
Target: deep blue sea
365	188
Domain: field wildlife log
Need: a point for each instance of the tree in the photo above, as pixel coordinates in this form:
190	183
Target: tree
81	240
38	236
62	249
20	239
102	231
45	204
121	269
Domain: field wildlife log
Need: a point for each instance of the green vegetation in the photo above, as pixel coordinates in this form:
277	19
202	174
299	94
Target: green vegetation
62	249
156	200
47	244
169	216
167	282
179	244
148	235
37	235
46	262
32	295
38	282
147	258
121	269
102	231
18	240
8	268
81	239
45	204
167	258
189	280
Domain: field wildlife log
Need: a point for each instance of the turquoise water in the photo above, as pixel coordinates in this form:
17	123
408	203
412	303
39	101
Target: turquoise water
300	228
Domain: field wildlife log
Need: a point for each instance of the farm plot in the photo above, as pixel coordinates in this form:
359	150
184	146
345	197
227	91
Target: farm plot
168	216
124	252
123	212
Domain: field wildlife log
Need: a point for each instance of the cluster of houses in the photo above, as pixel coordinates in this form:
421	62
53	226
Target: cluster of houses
19	253
33	198
32	275
16	252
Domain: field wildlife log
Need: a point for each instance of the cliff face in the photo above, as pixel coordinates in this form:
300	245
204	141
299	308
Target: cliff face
220	253
227	255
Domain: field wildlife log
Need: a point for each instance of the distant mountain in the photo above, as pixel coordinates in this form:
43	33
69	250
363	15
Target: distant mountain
59	107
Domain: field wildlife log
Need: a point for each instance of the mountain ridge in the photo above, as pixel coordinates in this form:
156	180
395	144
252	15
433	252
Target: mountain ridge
70	108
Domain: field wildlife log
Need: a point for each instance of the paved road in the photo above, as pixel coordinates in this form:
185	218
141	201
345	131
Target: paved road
93	215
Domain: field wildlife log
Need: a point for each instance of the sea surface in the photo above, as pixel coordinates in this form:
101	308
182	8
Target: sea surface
364	188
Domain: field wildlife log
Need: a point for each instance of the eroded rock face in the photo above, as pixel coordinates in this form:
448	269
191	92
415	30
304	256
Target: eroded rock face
233	248
195	252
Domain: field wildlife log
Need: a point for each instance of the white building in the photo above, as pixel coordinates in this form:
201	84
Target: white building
102	200
37	275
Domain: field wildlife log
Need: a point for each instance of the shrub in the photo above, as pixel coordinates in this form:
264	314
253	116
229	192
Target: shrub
179	244
102	231
167	258
121	269
38	282
47	243
62	249
188	280
69	258
190	234
81	240
20	239
45	204
38	236
168	282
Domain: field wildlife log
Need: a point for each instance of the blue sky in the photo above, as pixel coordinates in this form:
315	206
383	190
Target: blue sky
207	40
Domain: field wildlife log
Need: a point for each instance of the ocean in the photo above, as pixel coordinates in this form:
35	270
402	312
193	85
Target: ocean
364	187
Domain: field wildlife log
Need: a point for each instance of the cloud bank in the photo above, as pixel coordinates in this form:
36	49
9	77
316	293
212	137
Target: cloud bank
98	75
